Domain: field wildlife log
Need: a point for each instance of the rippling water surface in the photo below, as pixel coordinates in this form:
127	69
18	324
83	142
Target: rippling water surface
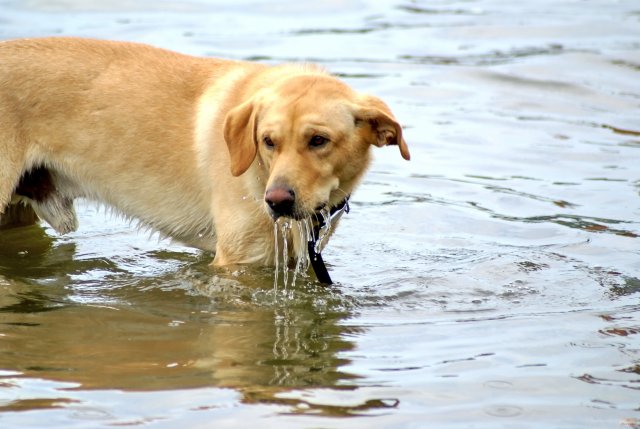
493	281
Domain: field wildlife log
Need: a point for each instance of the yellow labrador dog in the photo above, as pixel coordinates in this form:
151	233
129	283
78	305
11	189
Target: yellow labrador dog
206	151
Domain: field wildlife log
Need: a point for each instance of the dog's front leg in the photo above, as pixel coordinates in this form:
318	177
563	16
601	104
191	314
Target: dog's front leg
245	249
245	235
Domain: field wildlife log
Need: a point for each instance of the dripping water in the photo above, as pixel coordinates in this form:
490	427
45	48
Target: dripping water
302	259
297	233
323	234
285	229
276	256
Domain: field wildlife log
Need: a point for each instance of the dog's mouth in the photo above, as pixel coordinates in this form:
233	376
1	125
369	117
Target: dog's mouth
282	202
319	215
296	214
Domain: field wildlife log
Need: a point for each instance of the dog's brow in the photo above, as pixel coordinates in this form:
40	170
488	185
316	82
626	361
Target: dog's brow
312	129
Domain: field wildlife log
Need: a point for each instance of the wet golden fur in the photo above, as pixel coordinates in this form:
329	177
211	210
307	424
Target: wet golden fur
177	142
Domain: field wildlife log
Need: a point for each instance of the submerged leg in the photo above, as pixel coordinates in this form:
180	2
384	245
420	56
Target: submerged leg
17	215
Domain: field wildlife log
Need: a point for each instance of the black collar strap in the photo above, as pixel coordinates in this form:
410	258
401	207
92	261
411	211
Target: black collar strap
315	257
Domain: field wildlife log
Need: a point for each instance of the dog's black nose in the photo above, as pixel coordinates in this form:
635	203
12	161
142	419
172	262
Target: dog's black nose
281	200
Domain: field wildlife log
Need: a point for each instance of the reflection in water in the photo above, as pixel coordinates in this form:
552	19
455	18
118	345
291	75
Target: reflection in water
109	347
619	325
29	252
185	329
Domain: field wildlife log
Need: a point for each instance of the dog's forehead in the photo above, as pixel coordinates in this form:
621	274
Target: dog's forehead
304	114
301	102
312	84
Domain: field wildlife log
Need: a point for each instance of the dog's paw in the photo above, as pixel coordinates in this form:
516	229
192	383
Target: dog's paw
57	211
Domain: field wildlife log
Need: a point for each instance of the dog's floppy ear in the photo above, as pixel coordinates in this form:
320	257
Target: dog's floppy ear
374	113
240	136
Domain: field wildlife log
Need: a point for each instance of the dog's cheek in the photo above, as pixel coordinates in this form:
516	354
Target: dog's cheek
313	174
350	160
354	156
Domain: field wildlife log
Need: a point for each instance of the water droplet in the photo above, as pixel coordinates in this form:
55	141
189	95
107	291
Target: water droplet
276	256
90	413
503	410
498	384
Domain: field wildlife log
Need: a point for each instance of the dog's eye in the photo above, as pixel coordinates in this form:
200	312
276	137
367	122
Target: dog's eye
268	142
318	141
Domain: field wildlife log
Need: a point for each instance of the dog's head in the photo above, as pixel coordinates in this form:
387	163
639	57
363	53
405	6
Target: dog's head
312	134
